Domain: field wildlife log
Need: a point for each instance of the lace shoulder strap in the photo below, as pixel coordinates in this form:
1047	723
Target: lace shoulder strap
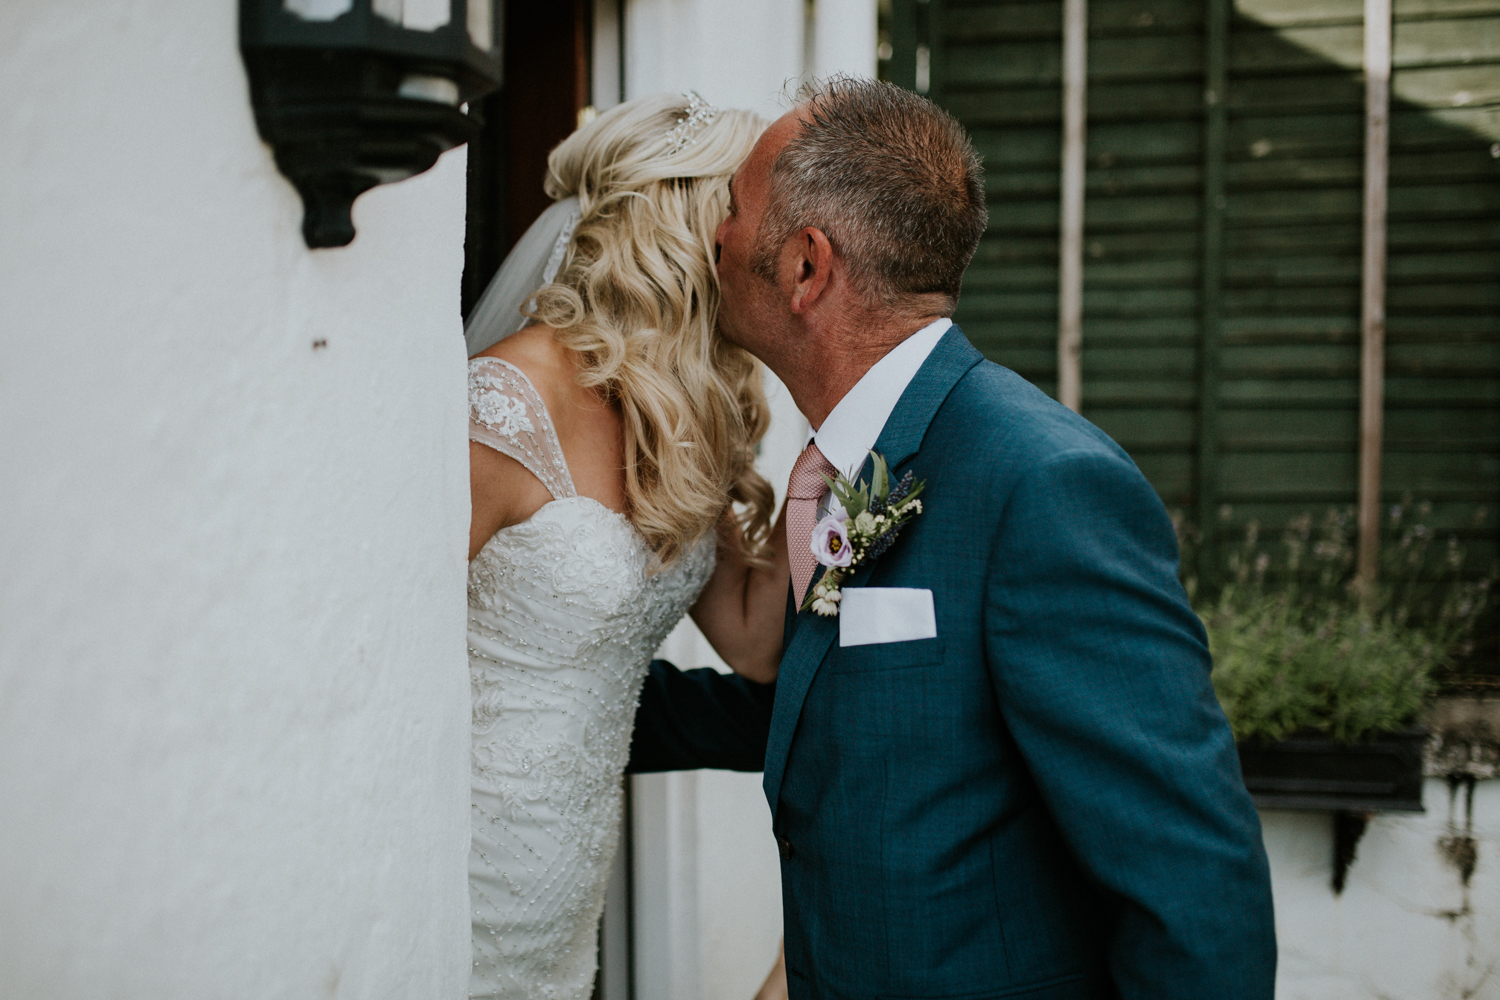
506	413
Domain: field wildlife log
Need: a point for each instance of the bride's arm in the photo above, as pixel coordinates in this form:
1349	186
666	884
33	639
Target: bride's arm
743	609
502	492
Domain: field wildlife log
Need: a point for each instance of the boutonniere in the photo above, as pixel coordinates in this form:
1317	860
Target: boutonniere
870	517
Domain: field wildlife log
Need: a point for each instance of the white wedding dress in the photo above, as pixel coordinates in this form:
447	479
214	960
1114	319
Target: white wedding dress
563	619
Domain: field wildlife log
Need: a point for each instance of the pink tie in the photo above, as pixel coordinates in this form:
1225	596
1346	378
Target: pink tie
803	492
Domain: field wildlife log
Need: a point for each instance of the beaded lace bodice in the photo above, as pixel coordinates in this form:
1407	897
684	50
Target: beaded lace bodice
563	619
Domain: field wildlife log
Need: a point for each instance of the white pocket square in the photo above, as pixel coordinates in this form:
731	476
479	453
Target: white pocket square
869	615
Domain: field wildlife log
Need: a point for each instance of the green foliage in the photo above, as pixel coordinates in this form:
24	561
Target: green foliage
1280	667
1300	645
876	495
853	497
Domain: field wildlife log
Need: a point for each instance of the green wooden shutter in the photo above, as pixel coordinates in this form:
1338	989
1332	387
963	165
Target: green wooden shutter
1275	380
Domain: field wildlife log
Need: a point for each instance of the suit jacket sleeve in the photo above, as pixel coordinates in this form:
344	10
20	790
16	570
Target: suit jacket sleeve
1102	675
700	718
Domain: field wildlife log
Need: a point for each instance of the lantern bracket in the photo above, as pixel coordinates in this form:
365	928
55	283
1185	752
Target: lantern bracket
355	101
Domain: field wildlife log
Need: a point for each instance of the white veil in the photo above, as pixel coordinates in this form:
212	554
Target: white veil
532	263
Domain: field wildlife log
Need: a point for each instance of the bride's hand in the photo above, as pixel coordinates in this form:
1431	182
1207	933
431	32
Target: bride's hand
743	609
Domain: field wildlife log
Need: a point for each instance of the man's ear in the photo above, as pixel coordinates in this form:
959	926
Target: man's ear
812	263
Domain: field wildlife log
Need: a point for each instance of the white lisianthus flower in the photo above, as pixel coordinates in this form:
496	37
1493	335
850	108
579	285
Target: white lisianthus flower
865	522
826	604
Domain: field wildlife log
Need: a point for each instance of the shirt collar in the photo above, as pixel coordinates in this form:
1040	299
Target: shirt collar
852	428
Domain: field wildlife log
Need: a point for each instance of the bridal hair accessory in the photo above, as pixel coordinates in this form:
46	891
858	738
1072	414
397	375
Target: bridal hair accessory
685	132
867	523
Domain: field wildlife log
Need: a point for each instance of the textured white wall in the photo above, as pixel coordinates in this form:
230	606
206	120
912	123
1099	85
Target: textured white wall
1406	927
233	691
741	54
844	37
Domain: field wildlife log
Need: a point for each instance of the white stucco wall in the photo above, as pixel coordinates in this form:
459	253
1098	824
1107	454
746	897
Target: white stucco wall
233	690
741	54
1406	926
844	37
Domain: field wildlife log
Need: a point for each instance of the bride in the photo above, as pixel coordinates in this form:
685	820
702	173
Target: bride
614	488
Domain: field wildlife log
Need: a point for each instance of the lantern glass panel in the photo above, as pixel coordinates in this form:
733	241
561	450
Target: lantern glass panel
426	87
319	10
482	23
426	15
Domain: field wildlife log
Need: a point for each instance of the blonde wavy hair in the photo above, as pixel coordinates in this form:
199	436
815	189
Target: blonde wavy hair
637	298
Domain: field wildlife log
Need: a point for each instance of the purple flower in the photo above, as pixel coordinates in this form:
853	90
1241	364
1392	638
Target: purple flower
830	542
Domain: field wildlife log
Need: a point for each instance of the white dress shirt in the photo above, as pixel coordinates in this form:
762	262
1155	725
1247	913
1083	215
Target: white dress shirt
852	428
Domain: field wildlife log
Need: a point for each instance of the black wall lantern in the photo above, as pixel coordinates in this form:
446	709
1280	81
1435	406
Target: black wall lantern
355	93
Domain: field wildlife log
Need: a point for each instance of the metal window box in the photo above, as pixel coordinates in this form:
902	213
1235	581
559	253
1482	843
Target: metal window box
1383	774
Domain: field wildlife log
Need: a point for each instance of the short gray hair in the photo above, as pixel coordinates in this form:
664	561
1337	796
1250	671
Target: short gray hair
890	178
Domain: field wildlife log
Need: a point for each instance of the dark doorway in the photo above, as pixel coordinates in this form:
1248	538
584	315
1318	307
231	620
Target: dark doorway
544	87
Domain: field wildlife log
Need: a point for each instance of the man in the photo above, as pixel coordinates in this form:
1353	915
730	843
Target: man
1000	770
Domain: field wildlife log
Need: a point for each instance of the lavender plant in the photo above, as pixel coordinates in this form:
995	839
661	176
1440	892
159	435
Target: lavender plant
1300	645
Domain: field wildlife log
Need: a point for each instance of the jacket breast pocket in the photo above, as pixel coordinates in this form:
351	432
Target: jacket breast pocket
886	656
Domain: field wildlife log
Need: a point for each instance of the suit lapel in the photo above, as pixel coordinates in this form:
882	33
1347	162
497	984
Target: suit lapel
811	635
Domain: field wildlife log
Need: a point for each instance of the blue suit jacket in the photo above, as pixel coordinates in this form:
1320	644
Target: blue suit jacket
1044	801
